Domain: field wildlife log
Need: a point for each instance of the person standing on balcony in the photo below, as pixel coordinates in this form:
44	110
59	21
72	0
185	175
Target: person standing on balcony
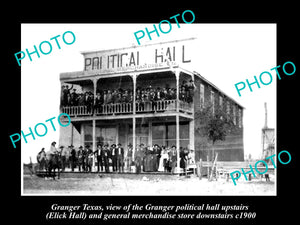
152	99
74	98
80	99
164	94
160	95
182	94
190	88
65	92
88	101
98	102
105	97
126	96
114	96
146	99
109	99
118	98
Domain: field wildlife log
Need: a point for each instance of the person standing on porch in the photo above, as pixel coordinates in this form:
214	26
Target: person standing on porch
173	158
114	157
163	160
183	158
106	156
157	153
63	153
120	158
138	159
88	159
148	160
99	156
73	158
81	159
129	157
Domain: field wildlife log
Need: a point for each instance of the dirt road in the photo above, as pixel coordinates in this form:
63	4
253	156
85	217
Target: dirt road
131	184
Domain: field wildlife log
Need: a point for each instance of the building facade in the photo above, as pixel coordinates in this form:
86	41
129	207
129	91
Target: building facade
143	95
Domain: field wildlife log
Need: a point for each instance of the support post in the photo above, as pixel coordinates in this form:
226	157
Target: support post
192	135
177	143
133	137
177	73
150	133
94	135
94	140
134	77
82	134
94	100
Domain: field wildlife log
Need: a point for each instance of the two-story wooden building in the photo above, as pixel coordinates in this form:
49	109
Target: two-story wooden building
136	116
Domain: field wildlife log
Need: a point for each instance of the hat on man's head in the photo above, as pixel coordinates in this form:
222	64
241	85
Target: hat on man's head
80	147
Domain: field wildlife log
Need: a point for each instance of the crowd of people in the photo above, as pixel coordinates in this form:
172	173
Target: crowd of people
114	158
70	97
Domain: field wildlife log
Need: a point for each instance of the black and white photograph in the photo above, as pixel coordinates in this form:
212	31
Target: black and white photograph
163	114
144	113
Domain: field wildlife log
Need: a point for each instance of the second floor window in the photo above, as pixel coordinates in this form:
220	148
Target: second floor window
201	96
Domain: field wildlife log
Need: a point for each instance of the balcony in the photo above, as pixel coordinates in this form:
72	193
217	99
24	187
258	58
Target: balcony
127	108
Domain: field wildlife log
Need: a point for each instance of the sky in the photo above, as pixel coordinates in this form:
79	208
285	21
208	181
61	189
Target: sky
224	54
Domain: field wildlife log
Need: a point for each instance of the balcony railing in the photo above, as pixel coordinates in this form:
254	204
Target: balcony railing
127	108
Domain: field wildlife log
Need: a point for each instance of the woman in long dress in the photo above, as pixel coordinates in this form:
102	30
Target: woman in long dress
163	160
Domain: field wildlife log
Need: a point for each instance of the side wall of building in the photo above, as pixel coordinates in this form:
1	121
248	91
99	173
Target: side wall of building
232	148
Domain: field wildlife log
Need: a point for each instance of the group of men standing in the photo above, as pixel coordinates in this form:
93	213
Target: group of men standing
147	159
83	158
103	155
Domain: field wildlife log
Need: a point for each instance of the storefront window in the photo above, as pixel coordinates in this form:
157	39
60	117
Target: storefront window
105	135
165	134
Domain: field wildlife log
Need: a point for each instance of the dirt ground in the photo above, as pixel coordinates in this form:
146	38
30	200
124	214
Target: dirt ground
144	184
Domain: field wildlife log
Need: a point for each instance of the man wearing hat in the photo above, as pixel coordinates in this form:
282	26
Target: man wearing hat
99	156
120	158
88	158
63	157
72	157
106	156
41	159
138	158
129	157
81	156
74	98
114	156
51	151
